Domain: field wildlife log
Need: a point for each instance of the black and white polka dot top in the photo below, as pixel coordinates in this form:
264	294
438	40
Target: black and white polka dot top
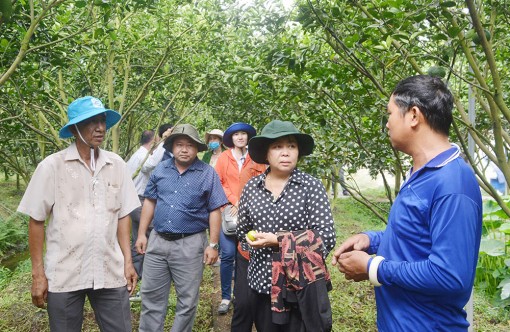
303	204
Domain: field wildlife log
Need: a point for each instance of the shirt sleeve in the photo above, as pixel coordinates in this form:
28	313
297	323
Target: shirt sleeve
454	228
320	217
221	169
375	240
153	159
39	197
151	190
244	223
217	198
130	200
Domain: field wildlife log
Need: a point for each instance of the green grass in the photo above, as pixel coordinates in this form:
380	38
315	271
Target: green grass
353	304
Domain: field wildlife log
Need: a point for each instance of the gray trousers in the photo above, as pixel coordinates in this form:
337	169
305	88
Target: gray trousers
111	308
180	262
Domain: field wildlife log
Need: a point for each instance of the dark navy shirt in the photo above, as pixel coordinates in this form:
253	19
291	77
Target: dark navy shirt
184	201
430	247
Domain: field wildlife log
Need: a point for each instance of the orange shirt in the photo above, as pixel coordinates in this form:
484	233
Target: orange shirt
231	178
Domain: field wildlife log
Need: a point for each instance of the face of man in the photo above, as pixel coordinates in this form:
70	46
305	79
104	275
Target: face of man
398	126
240	139
283	154
184	150
92	130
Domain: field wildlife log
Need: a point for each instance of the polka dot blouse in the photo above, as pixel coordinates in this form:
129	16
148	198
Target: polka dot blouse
303	204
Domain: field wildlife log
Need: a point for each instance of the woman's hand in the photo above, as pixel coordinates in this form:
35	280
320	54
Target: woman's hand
263	240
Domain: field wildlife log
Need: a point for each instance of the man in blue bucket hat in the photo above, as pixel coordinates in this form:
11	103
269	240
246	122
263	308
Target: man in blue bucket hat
85	194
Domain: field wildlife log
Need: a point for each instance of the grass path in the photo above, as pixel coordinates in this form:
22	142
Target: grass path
353	304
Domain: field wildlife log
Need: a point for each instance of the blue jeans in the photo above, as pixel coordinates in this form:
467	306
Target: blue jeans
227	255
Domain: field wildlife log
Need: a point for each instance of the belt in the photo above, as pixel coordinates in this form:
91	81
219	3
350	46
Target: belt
174	236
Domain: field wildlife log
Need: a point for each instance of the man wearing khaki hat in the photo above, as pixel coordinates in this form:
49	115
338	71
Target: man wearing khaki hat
86	194
183	199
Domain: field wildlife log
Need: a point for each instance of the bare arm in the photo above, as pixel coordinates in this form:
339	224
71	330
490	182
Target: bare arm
123	236
36	245
148	208
210	254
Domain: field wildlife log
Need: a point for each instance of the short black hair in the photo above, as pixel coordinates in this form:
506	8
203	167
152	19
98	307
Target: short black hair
163	128
431	95
147	136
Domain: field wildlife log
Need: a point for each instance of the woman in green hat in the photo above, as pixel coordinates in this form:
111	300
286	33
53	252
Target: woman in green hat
288	209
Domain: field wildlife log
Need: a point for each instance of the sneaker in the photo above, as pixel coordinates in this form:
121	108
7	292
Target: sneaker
224	307
135	297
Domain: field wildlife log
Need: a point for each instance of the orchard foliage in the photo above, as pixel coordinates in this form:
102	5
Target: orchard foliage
328	66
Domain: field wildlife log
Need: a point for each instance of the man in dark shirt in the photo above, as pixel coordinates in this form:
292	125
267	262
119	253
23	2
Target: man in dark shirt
184	196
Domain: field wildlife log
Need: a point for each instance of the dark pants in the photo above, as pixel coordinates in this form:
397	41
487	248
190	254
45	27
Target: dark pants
135	224
242	318
311	312
111	308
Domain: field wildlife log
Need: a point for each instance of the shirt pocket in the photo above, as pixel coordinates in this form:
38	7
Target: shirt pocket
113	198
411	216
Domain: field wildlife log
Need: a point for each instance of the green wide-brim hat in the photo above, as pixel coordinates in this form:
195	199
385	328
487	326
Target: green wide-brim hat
258	145
184	130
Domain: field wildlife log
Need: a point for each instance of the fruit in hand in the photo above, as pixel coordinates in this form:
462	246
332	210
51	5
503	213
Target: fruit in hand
251	235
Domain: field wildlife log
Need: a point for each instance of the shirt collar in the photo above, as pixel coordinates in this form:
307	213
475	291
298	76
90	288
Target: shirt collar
438	161
197	165
296	176
73	154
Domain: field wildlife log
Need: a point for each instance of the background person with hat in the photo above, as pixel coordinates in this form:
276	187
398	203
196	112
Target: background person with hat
87	193
232	165
214	141
183	199
281	200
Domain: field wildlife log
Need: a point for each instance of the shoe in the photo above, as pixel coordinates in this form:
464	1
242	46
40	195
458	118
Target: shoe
135	298
224	307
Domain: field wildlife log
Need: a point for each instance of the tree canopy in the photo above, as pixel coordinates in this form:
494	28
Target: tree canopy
328	66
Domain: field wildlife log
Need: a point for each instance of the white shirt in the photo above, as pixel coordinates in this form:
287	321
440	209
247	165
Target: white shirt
82	248
133	164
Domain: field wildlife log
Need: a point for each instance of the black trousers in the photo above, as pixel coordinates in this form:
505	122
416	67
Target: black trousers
242	318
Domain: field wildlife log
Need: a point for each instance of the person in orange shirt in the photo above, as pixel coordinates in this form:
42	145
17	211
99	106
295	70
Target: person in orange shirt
234	167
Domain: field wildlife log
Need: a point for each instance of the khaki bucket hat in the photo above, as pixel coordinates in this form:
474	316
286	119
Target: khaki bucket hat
184	130
258	145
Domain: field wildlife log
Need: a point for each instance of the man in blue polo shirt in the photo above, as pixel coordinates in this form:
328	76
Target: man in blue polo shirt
426	258
183	196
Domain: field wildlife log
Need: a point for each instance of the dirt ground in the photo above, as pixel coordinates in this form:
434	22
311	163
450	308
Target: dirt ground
221	322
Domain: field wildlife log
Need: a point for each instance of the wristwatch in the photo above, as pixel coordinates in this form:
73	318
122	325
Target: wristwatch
215	246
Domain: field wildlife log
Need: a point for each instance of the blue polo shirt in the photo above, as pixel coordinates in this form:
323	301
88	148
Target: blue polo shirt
184	201
430	247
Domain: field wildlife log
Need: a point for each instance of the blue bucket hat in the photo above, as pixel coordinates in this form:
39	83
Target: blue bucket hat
84	108
234	128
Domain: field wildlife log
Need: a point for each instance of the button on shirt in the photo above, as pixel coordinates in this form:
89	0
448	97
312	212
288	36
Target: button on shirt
184	201
82	249
303	204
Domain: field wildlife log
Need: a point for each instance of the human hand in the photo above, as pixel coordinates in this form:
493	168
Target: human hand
131	277
355	242
39	290
141	244
210	256
353	265
167	133
263	240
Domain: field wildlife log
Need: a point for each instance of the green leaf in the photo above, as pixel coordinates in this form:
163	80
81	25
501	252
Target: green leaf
505	288
492	247
446	4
